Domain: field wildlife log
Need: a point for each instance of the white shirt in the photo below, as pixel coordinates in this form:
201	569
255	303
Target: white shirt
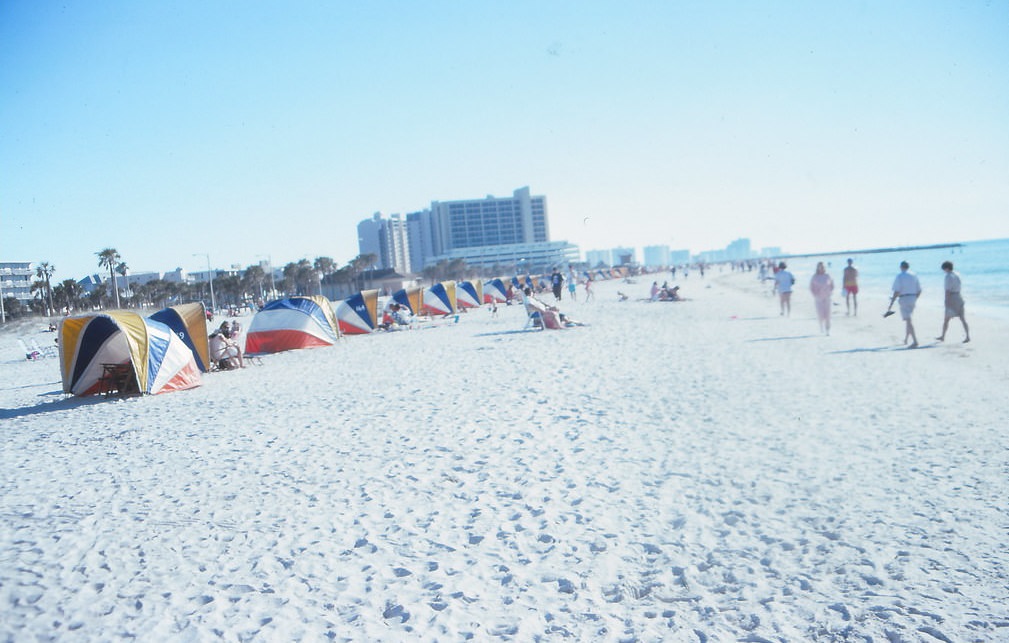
906	283
952	282
218	348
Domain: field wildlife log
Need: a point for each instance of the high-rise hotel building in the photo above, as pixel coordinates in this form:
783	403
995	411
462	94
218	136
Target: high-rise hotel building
388	240
507	232
492	221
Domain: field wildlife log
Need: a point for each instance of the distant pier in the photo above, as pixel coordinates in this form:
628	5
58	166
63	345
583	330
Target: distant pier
937	246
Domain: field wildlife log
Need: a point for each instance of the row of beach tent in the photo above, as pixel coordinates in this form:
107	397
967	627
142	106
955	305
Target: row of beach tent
169	350
311	321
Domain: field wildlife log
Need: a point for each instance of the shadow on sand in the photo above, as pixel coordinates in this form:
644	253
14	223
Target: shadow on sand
781	339
63	404
881	349
520	331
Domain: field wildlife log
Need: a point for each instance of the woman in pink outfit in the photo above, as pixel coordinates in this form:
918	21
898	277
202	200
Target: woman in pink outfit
821	285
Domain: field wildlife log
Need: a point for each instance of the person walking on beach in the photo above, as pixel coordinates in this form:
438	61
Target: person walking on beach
783	282
954	302
589	293
556	281
906	290
850	285
822	286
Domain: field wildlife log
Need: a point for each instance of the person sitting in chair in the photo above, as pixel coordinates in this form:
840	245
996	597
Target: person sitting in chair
549	315
225	352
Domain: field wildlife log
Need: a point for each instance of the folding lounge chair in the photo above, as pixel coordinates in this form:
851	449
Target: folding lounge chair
534	320
543	318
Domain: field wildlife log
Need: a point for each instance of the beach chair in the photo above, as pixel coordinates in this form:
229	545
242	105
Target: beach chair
542	318
534	320
50	350
31	354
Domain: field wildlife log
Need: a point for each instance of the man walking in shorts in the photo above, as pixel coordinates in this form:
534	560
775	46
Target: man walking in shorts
906	290
850	285
784	281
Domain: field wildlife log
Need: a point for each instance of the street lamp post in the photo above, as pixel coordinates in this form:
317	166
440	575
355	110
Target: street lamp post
210	273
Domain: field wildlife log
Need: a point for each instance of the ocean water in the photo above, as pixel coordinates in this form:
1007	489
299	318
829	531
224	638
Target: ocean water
983	267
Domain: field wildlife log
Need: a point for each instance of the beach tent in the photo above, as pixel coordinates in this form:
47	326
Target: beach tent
358	314
495	291
189	322
412	298
152	354
439	299
469	294
290	323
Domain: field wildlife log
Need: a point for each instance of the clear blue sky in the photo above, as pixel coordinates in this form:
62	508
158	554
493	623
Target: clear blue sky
249	129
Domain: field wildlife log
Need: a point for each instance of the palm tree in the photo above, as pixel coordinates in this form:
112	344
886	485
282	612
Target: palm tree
359	264
253	278
306	276
229	289
324	266
343	276
290	279
124	270
44	272
38	291
457	269
430	272
69	293
109	258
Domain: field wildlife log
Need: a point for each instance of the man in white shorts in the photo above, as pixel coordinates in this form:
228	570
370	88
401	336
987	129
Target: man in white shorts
906	290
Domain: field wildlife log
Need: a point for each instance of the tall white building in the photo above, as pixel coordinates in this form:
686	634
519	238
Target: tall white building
595	257
492	231
739	249
16	280
388	240
623	256
656	256
679	257
474	223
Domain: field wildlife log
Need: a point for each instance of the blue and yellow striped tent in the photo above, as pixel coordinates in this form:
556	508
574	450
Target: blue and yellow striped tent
157	358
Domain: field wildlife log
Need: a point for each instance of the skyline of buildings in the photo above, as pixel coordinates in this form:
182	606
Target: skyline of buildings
391	242
511	234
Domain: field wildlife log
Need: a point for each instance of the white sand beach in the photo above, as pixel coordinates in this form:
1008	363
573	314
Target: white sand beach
697	471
